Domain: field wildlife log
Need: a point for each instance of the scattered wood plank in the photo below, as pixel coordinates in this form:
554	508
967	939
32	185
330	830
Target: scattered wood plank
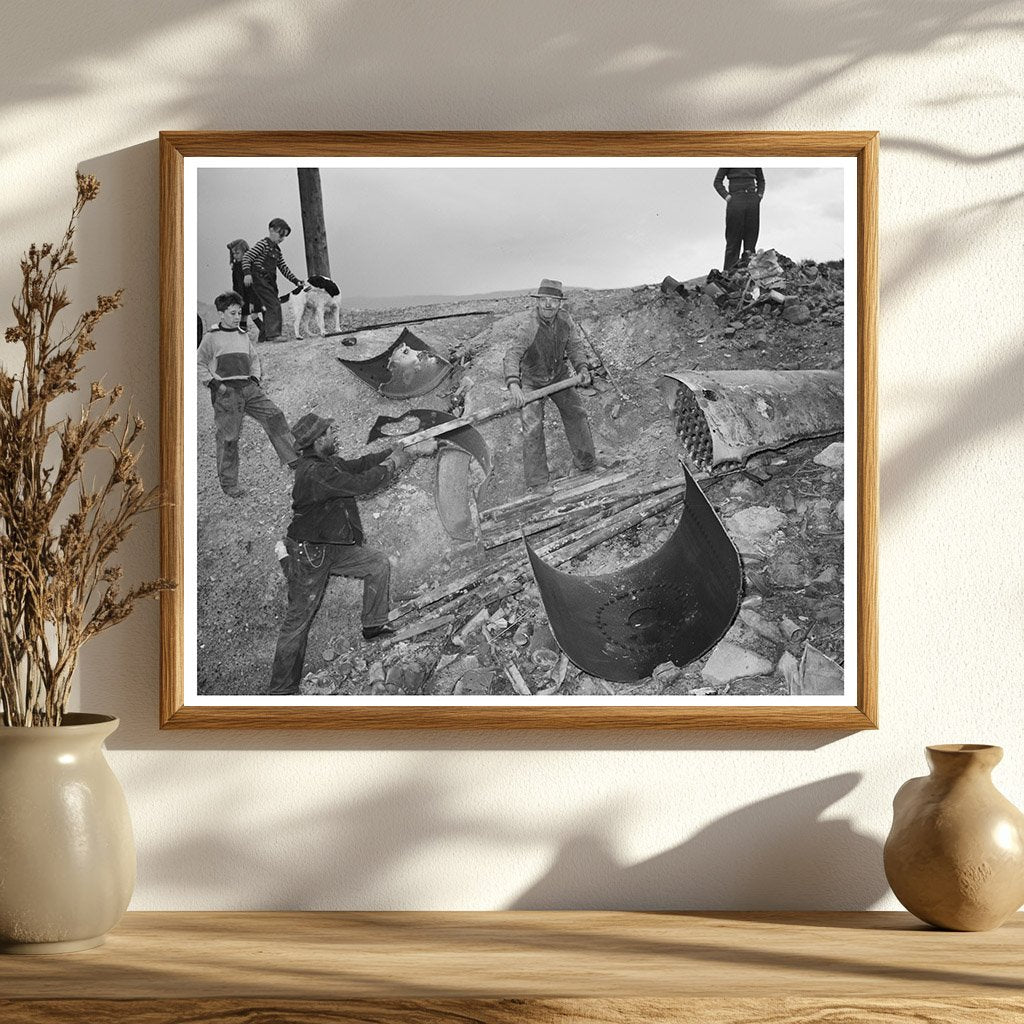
424	626
562	491
618	523
519	684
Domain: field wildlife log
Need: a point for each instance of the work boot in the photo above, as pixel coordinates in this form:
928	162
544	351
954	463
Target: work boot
373	632
236	491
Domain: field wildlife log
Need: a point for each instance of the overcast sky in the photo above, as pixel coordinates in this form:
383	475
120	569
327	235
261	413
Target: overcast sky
457	231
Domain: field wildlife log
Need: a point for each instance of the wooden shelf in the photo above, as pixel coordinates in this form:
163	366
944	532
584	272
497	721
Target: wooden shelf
425	968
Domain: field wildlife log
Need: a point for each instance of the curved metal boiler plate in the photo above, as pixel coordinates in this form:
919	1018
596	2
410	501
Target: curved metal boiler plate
409	368
451	494
674	605
728	415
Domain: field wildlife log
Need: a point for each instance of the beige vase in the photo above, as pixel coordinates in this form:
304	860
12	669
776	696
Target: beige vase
67	856
955	855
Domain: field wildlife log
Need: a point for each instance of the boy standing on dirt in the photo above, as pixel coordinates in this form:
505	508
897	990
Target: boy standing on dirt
259	269
230	368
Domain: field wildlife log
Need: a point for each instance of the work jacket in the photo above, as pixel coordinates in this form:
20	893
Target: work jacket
539	350
323	498
741	180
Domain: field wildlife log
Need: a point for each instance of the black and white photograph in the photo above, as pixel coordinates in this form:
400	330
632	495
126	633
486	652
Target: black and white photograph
541	431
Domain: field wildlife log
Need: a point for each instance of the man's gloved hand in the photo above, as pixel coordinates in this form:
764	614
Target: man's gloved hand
517	395
586	377
400	459
422	449
215	385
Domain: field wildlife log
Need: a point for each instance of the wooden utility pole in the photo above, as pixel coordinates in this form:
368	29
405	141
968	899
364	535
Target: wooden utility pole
314	233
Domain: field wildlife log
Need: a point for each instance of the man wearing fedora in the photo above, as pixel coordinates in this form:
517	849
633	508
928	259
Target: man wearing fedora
538	356
325	539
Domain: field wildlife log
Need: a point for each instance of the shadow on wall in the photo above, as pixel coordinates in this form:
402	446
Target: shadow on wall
177	66
431	848
658	52
777	854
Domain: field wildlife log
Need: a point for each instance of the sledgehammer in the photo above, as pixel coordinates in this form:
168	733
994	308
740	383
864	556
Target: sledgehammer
483	414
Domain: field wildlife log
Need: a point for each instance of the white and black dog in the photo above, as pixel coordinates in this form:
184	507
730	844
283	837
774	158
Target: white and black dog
322	302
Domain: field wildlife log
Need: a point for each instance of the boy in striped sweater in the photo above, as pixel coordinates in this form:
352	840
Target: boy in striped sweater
230	368
259	268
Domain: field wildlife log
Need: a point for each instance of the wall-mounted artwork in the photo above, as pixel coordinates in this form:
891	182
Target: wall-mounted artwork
519	430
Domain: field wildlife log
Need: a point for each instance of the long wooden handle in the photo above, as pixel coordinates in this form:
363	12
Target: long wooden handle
483	414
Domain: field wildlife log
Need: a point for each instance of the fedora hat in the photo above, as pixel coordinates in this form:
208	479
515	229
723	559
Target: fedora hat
548	288
308	429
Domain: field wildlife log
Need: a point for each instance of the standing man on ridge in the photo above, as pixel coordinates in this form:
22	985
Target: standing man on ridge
742	211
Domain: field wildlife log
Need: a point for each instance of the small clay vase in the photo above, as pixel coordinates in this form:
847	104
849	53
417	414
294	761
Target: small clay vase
67	856
955	854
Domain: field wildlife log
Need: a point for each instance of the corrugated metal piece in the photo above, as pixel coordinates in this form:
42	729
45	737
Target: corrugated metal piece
409	368
674	605
728	415
452	492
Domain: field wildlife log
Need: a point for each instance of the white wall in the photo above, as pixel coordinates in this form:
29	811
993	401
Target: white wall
747	820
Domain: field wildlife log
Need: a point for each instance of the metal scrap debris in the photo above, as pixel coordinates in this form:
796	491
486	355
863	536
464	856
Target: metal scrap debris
674	605
728	415
409	368
452	490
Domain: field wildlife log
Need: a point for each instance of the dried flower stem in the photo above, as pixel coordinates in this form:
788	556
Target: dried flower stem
57	588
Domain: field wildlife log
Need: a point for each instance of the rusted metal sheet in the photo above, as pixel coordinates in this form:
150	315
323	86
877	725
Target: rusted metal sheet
728	415
452	491
407	369
674	605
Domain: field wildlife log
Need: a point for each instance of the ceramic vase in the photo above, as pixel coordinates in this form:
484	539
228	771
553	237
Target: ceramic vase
67	855
955	854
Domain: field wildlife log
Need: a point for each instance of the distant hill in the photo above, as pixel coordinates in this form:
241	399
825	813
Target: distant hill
398	301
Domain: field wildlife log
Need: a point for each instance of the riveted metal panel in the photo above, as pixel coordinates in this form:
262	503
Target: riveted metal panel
674	605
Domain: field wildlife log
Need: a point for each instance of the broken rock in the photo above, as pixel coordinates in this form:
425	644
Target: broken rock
475	682
832	456
760	625
819	675
730	661
797	314
666	673
756	530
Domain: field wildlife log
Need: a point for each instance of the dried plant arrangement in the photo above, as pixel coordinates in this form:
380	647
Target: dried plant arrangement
58	531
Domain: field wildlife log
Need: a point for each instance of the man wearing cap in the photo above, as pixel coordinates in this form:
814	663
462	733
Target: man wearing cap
742	210
537	357
325	539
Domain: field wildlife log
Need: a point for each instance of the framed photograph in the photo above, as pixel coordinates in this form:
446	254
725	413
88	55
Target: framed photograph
519	430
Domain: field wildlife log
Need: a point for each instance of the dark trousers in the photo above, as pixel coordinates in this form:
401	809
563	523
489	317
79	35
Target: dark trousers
577	432
230	407
309	568
265	290
742	224
250	304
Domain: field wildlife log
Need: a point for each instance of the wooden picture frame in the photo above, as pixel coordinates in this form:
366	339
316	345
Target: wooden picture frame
180	152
